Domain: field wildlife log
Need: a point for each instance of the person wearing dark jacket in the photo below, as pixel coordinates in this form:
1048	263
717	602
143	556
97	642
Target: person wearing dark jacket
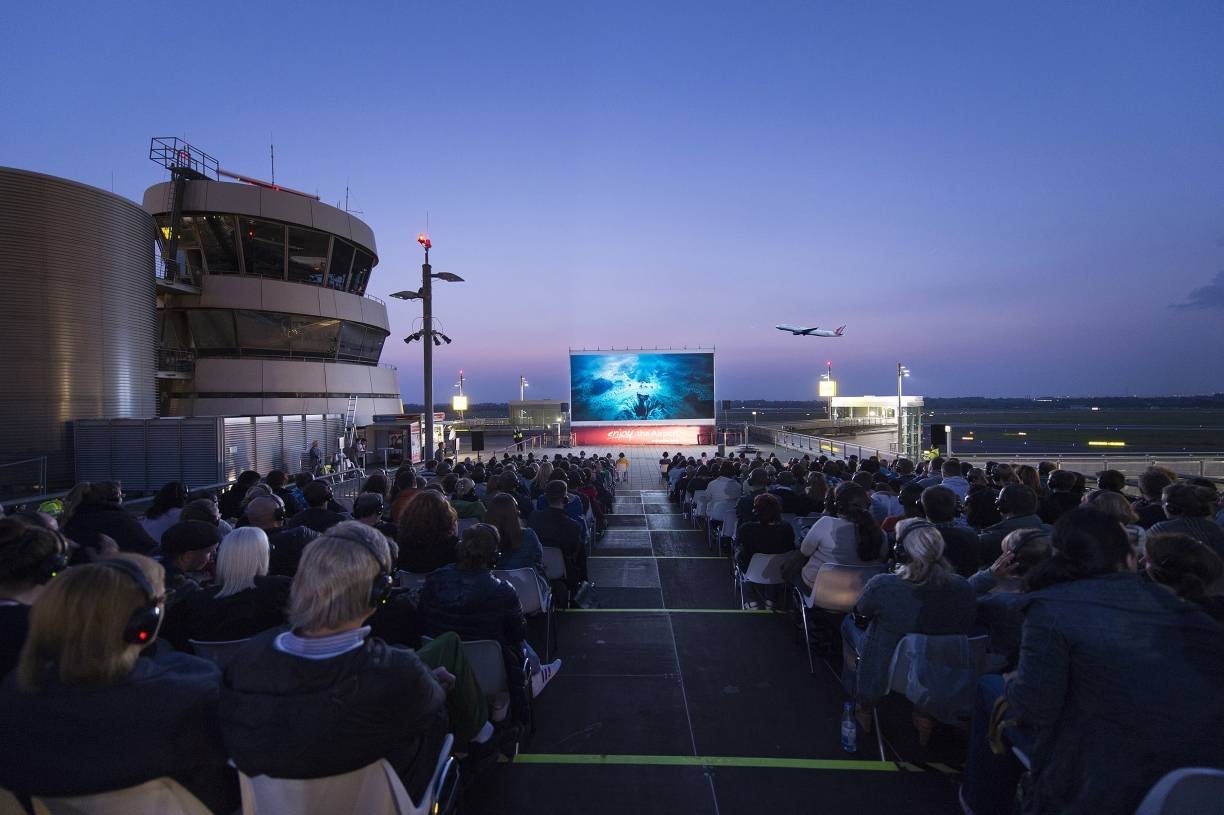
278	480
30	557
245	599
468	599
102	513
318	514
84	713
230	503
1150	507
1018	506
268	513
1118	683
758	481
1189	507
554	527
961	548
323	697
1062	497
766	535
427	527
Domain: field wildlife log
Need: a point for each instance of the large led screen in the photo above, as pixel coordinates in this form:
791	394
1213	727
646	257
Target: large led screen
616	387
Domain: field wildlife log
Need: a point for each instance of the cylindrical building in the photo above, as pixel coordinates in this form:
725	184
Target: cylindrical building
79	334
264	310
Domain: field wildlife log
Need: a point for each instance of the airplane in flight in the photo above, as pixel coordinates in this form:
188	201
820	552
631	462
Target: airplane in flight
814	331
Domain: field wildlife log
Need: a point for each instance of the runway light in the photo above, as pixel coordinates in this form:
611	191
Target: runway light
1106	444
967	438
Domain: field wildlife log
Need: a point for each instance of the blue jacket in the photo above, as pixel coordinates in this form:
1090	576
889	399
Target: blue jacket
530	553
1118	683
475	604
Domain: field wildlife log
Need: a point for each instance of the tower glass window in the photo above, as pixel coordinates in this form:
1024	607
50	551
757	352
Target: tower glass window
263	248
263	332
212	332
218	239
341	260
307	255
360	276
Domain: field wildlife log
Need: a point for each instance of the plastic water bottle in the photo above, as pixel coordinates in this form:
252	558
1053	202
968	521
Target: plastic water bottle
849	729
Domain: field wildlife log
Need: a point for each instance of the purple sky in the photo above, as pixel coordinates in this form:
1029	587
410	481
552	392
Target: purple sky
1009	199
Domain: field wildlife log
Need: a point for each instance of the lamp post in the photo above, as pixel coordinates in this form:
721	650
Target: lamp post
428	337
902	372
523	385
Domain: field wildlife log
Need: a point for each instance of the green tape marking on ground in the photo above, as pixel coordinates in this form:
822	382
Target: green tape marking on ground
670	610
709	761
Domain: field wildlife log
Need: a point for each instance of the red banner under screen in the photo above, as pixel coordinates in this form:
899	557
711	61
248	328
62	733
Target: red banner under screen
627	434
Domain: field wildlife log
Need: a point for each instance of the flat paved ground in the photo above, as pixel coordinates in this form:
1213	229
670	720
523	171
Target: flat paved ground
674	700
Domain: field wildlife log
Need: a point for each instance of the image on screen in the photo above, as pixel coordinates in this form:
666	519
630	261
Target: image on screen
619	387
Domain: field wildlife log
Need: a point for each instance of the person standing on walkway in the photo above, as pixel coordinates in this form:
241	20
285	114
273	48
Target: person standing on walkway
622	468
316	458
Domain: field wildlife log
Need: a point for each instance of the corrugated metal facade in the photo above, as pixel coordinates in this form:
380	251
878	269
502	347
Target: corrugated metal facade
79	329
146	453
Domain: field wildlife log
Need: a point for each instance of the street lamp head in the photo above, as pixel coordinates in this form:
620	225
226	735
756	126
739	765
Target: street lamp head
407	295
448	277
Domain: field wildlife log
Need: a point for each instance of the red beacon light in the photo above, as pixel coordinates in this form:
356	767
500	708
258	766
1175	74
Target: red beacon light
424	240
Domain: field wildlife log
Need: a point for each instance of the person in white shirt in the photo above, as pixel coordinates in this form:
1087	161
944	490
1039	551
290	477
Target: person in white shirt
851	538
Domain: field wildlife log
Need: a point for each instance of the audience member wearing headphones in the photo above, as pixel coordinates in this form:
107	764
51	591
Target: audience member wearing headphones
850	538
244	599
765	534
1018	506
940	506
85	713
268	513
1189	567
1000	602
369	508
923	596
324	697
319	514
1117	684
164	512
467	598
29	557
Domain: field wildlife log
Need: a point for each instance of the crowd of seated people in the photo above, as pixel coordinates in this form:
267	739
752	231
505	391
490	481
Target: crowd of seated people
332	663
1101	609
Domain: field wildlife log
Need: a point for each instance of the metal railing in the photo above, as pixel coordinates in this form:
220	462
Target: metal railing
26	477
1201	465
378	300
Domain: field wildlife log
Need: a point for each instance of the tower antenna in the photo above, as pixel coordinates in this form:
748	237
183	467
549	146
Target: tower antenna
272	153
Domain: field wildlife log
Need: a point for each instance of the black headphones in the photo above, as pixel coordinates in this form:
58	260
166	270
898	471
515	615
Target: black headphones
56	562
380	589
143	623
280	513
1001	502
899	551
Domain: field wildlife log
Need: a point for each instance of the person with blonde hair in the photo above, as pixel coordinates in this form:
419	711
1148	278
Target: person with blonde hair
1118	506
244	599
83	713
923	596
324	697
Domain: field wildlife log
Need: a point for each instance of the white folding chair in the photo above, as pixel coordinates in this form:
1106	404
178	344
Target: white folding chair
218	652
837	589
1188	791
764	570
465	523
375	788
716	513
535	599
413	581
554	563
164	796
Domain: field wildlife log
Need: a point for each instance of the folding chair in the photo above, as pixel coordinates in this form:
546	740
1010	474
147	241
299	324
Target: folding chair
534	599
716	513
375	788
764	570
1188	791
489	666
837	589
220	652
903	659
164	796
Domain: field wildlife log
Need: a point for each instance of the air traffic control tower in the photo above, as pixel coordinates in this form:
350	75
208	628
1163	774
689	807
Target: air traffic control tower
262	304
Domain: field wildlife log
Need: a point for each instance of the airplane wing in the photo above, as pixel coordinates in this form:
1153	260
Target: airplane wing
795	329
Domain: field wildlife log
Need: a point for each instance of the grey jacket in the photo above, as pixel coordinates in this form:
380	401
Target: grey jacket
1118	683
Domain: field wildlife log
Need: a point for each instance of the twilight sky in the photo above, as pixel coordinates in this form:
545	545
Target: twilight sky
1010	198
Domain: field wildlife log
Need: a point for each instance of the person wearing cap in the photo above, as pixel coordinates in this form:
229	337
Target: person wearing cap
465	501
187	549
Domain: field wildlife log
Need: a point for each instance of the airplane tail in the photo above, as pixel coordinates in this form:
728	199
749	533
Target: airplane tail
841	330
